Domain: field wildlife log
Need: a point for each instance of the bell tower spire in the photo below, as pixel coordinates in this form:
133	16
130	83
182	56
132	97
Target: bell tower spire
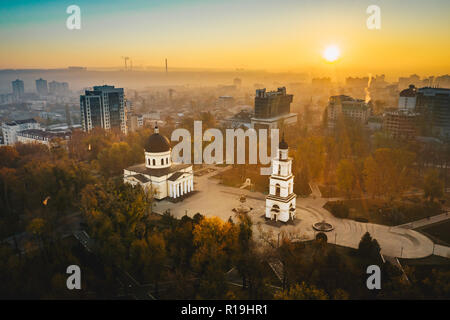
281	201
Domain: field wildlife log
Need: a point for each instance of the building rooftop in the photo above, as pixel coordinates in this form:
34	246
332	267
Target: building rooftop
402	112
410	92
262	93
157	143
45	135
17	122
429	91
141	168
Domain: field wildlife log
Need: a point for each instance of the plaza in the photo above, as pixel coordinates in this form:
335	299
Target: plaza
214	199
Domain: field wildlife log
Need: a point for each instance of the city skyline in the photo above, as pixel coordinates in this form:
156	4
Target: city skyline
215	35
225	154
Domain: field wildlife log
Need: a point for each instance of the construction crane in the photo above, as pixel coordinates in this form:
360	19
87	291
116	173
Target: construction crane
125	60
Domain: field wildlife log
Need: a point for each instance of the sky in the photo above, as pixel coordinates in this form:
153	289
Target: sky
282	35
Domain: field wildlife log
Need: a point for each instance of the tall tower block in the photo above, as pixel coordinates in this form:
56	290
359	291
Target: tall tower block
281	200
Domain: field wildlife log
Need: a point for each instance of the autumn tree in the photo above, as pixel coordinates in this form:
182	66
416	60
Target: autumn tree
346	177
302	291
311	153
114	159
8	157
214	241
433	186
248	261
8	180
388	172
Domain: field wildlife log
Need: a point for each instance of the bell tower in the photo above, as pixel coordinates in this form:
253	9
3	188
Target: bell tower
281	200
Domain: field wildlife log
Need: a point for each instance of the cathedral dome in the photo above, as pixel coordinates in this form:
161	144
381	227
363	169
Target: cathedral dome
157	143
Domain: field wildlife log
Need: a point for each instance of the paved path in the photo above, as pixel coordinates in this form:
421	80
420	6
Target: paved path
426	221
442	251
219	200
315	191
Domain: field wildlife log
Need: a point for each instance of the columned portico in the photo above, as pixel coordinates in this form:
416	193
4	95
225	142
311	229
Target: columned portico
181	186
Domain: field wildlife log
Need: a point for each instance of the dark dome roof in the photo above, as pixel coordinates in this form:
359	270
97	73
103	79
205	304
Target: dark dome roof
157	143
283	144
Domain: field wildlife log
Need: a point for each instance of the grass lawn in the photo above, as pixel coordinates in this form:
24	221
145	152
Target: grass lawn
330	191
428	261
440	231
236	176
309	248
381	212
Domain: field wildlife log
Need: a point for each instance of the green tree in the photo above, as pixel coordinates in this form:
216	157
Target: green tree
369	248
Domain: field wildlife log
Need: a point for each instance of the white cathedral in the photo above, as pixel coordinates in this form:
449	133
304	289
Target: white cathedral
281	200
158	174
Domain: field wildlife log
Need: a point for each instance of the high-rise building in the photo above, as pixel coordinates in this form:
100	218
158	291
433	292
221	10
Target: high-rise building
103	107
434	105
271	108
68	115
347	107
134	121
18	88
407	98
58	88
401	124
41	87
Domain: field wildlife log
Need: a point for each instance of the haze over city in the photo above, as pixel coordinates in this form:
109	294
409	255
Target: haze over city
254	35
225	154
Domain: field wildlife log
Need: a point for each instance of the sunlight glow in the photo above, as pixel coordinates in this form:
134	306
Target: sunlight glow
331	53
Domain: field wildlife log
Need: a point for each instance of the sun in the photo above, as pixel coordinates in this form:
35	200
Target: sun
331	53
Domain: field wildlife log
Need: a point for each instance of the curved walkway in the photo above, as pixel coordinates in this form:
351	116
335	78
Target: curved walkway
394	241
218	200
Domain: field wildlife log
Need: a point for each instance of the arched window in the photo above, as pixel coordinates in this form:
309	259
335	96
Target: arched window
277	189
162	161
167	160
149	162
154	162
274	212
